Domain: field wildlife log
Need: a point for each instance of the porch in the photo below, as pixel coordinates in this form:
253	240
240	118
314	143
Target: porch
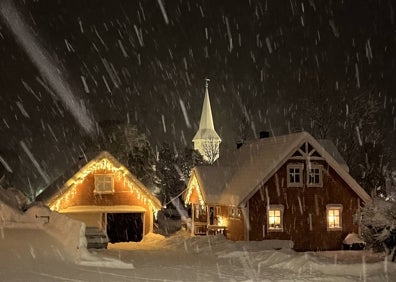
202	228
206	220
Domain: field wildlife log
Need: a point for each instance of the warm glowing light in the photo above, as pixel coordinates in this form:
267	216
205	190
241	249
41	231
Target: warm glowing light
333	218
102	165
194	185
220	221
274	219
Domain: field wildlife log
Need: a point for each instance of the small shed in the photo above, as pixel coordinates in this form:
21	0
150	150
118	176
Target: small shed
105	195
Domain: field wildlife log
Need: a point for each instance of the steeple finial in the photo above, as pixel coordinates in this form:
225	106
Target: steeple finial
207	83
206	140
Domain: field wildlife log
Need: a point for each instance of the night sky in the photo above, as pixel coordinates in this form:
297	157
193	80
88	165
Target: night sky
142	61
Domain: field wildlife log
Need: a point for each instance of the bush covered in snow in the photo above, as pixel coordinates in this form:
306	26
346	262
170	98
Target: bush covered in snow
379	226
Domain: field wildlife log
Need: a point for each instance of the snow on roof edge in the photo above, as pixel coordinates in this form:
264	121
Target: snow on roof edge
306	137
63	188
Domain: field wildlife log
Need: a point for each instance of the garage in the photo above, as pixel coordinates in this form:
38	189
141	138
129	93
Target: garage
125	227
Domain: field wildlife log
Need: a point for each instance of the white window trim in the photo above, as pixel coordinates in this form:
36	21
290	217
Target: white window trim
315	166
234	212
217	210
281	209
333	207
104	192
295	184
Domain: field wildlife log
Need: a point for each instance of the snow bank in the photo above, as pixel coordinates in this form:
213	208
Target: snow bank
13	198
9	214
219	245
10	206
88	259
353	238
150	241
69	232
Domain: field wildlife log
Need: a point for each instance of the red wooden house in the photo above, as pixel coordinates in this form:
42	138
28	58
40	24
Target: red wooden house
104	194
290	187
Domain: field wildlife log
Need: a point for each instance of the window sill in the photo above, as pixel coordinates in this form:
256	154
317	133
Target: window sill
275	230
294	185
334	229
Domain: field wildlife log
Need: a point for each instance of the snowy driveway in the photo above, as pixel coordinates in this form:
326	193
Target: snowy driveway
33	255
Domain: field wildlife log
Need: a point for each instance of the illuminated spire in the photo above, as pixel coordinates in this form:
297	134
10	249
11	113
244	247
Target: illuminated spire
206	140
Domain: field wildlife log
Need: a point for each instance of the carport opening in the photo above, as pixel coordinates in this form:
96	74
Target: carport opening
125	227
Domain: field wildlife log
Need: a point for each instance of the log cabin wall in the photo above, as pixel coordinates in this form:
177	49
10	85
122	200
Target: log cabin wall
304	217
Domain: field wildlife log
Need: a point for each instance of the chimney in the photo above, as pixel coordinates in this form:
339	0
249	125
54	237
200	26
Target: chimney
264	134
239	144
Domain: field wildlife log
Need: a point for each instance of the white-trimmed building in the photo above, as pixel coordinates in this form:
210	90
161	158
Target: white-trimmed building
291	187
206	140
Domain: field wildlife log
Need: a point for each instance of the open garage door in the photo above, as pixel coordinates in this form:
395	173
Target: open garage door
125	227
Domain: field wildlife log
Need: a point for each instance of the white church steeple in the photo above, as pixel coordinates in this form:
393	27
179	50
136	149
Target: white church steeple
206	140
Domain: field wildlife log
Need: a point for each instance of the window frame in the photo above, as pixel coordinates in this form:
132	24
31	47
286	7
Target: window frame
334	207
314	184
217	210
279	208
301	174
97	180
234	212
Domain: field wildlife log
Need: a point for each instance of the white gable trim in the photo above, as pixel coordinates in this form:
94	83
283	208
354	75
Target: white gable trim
200	189
78	177
306	137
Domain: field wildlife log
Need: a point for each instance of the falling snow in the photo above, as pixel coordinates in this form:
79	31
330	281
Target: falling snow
279	66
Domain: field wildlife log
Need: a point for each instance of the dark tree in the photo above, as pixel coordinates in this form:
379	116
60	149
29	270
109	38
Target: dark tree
187	160
130	147
352	123
174	168
171	182
378	228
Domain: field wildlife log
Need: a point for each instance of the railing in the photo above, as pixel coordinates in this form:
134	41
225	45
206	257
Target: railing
200	228
216	229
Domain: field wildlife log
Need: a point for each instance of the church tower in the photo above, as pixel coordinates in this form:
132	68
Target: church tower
206	140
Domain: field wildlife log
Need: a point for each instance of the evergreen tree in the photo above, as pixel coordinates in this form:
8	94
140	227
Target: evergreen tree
128	146
171	183
379	226
174	168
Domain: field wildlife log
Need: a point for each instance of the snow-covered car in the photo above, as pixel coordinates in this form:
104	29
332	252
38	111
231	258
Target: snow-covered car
96	238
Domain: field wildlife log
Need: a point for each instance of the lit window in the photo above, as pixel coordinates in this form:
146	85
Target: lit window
275	218
334	217
218	210
315	176
234	212
295	177
104	184
231	212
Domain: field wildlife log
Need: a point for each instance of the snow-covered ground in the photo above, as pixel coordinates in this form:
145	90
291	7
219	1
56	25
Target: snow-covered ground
32	249
31	254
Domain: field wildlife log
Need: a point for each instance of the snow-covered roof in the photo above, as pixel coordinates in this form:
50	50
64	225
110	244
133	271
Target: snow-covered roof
77	173
329	146
234	179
